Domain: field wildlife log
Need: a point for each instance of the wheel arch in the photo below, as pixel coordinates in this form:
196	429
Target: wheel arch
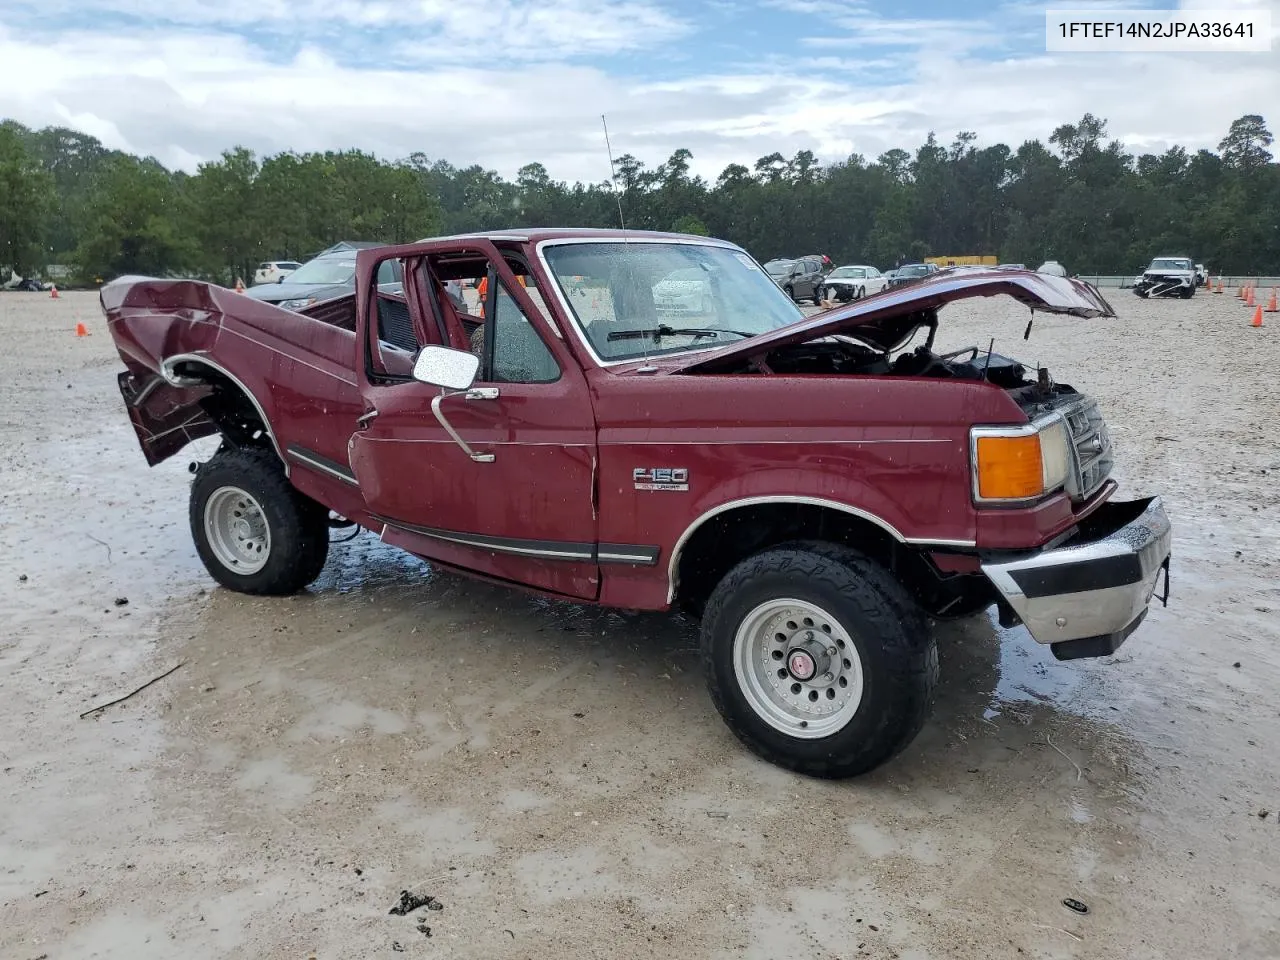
200	370
753	523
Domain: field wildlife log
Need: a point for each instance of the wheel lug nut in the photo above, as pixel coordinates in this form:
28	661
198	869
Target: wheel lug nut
831	651
828	677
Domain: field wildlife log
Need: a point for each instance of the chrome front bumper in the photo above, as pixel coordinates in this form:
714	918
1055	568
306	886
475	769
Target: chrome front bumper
1087	596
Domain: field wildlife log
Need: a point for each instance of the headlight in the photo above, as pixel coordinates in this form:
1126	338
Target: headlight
1020	463
296	304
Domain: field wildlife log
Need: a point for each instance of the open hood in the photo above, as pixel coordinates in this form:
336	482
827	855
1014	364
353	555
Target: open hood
887	319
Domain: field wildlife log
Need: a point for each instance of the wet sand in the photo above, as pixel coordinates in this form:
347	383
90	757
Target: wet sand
556	776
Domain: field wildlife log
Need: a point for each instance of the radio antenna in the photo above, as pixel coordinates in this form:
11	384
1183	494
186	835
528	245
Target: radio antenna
613	170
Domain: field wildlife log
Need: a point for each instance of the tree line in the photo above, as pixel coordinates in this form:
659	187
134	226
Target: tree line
1081	198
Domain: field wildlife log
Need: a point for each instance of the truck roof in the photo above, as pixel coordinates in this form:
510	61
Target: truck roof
538	234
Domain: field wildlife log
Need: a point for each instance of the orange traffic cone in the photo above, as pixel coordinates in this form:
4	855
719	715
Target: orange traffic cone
81	330
1248	300
1257	317
239	285
1240	291
1218	289
53	293
1271	304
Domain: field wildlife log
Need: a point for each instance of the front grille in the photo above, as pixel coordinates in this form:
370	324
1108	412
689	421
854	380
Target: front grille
1091	449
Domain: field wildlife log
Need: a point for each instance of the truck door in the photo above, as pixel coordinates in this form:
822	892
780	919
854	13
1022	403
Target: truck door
499	478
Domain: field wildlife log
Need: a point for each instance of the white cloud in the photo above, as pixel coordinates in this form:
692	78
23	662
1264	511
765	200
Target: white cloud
499	90
424	30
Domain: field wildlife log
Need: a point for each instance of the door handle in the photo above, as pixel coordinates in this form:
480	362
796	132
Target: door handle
435	409
482	393
365	418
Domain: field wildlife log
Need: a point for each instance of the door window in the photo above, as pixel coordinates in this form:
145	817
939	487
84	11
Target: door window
518	353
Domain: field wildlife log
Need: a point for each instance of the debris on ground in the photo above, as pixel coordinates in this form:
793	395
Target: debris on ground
1262	815
22	578
395	945
1077	905
122	601
423	929
112	703
410	902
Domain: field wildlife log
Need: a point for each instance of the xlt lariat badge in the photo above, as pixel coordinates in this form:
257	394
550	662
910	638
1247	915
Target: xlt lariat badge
661	478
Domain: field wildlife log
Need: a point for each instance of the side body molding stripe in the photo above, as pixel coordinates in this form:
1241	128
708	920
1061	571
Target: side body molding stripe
623	553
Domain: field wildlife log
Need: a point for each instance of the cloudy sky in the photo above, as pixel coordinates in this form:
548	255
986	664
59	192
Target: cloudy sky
505	82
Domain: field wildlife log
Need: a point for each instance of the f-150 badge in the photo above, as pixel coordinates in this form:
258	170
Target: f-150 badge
661	478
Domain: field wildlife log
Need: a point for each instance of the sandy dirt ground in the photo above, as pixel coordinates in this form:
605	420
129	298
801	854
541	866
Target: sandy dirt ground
556	776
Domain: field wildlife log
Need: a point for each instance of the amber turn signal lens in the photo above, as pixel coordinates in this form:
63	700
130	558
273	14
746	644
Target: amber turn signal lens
1009	468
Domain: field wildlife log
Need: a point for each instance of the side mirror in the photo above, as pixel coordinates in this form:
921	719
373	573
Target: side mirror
446	368
281	280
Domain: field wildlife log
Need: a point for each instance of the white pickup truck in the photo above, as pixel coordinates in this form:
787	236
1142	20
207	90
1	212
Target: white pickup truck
1168	277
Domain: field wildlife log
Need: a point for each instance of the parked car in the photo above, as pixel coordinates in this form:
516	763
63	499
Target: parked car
1167	277
854	282
329	275
1053	268
801	279
28	284
1202	275
274	271
910	273
812	489
683	293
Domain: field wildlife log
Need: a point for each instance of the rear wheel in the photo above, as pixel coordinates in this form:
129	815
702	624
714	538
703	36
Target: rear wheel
790	291
818	660
254	532
819	294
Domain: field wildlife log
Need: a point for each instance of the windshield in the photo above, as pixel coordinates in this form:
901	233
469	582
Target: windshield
779	268
918	270
847	272
325	270
633	300
1170	264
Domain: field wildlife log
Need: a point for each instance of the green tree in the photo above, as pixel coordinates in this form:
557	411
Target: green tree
133	224
1245	145
26	196
691	225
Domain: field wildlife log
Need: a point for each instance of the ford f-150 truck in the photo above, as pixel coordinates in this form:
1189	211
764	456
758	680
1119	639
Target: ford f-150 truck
816	490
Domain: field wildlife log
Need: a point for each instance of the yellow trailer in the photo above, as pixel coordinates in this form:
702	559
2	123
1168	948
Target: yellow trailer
976	261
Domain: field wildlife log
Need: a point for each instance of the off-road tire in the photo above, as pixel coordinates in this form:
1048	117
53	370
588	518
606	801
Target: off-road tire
1189	293
298	525
890	632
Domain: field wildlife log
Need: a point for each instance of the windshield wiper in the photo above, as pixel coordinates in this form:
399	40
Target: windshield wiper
662	330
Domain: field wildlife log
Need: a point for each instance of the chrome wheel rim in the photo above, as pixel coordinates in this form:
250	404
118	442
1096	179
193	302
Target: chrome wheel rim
797	668
236	529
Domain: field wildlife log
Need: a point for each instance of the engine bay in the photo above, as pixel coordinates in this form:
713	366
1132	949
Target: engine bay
847	354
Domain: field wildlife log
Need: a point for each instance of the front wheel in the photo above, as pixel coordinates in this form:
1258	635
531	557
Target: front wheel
790	292
818	660
254	532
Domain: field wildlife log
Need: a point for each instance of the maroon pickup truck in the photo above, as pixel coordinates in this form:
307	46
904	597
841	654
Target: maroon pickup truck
646	421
